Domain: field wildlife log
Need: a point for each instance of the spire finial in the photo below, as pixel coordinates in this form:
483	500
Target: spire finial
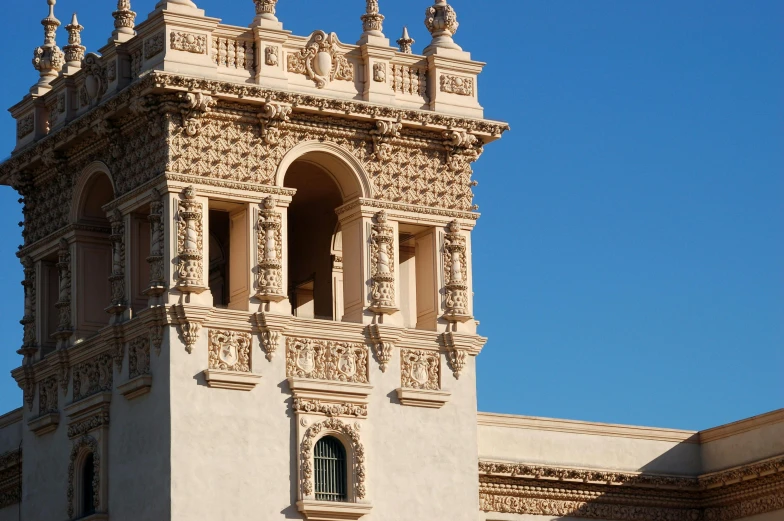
74	51
373	20
124	21
441	21
406	42
48	59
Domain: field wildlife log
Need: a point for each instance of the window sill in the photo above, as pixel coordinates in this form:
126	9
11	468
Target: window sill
332	511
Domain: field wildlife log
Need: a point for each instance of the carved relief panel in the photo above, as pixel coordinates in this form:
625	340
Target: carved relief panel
139	357
229	351
92	376
420	369
326	360
321	60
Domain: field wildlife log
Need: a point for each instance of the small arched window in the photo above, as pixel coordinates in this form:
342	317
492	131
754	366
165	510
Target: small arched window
331	475
88	492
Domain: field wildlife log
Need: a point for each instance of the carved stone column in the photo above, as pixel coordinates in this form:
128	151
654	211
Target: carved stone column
456	305
64	324
270	254
117	279
155	260
30	341
382	266
190	243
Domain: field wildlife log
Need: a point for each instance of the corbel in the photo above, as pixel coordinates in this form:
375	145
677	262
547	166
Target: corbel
271	116
190	320
385	131
384	339
462	148
271	328
63	369
460	345
193	107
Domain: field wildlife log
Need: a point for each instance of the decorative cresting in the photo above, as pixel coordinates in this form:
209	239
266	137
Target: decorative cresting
117	278
74	51
321	60
326	360
48	59
190	243
406	43
29	339
86	444
420	369
64	326
139	357
344	431
193	107
455	274
441	21
308	406
229	351
382	269
270	253
384	132
373	20
270	118
124	18
155	260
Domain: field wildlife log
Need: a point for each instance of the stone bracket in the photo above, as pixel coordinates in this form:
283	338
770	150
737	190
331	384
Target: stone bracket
190	320
384	339
270	329
332	511
458	346
422	398
45	423
136	387
232	380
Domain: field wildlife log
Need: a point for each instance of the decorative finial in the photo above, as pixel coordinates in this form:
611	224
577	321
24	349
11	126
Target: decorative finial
373	20
441	21
166	4
74	51
265	10
48	59
406	42
124	20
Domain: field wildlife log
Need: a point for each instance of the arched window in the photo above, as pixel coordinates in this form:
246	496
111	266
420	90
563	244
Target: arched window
330	466
88	492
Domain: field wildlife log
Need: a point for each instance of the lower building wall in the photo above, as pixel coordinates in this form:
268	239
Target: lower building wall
10	513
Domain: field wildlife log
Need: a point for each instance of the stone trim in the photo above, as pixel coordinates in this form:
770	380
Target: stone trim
520	488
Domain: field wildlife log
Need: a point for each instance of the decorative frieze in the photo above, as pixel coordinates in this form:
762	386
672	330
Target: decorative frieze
188	42
326	360
92	377
117	278
459	85
382	265
190	243
357	453
321	60
270	253
306	406
455	264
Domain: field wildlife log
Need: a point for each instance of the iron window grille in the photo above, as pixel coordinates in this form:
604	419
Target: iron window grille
330	467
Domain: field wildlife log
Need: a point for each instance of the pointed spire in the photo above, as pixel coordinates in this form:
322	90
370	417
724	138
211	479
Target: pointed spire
441	21
74	51
372	20
124	21
48	59
406	42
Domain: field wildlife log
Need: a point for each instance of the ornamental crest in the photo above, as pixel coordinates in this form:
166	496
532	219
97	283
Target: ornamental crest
230	351
420	369
321	60
307	359
327	360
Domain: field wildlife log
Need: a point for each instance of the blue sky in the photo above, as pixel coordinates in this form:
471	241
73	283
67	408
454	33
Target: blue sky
628	263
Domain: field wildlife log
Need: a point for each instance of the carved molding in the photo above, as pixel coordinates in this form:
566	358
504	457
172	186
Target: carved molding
321	60
326	360
357	410
357	455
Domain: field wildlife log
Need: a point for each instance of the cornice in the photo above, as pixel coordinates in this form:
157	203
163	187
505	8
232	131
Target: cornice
11	418
582	427
738	427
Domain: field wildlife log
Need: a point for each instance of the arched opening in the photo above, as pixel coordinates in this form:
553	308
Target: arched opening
88	490
331	473
92	265
313	233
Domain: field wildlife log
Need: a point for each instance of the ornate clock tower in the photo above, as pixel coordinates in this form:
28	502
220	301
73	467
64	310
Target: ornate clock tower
248	277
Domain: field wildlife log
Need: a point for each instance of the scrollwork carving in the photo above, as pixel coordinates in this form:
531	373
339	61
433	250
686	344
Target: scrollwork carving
302	405
321	60
193	107
84	444
459	85
455	273
382	239
188	42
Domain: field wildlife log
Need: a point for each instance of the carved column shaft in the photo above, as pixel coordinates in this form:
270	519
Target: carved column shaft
190	243
29	344
64	324
270	253
155	260
117	278
382	266
456	305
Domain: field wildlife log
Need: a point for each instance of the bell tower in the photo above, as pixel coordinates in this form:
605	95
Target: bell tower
248	275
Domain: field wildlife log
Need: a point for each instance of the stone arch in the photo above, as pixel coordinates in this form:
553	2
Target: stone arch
80	450
94	176
346	171
355	456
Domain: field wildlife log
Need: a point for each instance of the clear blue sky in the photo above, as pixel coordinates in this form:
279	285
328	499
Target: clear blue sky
629	263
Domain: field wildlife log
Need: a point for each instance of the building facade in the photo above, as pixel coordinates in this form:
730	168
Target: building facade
249	295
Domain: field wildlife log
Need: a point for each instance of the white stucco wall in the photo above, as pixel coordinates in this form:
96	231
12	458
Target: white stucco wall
240	446
760	442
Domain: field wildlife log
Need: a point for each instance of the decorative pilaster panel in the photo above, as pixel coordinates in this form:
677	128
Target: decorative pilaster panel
117	278
382	265
455	262
270	253
155	260
64	325
190	243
